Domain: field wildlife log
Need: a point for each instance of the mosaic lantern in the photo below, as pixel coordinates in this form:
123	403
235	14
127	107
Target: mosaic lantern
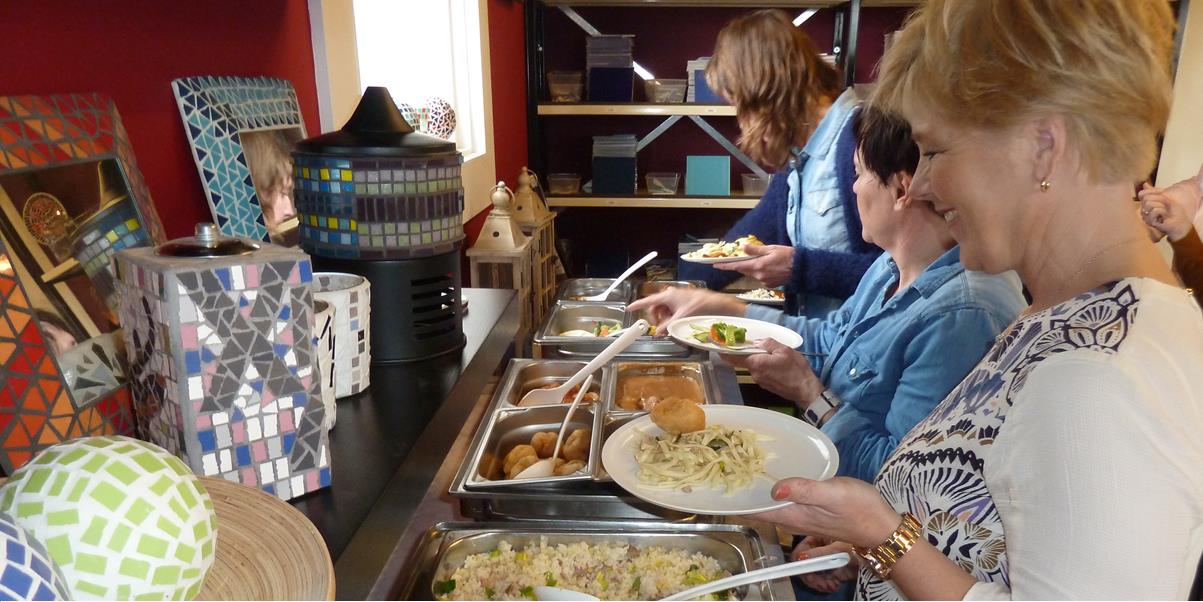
111	229
379	200
121	518
27	572
349	297
219	335
323	339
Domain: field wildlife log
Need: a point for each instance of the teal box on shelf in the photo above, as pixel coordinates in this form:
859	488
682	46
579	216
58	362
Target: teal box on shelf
708	175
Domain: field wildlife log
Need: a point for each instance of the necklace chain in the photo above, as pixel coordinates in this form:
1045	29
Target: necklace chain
1073	277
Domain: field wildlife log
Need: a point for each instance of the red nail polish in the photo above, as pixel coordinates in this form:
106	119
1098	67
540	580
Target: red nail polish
780	492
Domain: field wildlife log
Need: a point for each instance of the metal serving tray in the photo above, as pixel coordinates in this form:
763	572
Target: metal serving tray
698	372
573	288
443	549
564	316
648	288
575	496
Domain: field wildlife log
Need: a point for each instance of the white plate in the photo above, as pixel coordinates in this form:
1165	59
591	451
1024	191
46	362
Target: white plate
792	448
681	330
749	299
709	260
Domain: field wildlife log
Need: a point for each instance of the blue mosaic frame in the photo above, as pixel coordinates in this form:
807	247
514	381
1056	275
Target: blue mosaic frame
214	110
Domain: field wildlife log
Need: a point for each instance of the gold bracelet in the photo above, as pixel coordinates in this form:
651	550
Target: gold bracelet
882	558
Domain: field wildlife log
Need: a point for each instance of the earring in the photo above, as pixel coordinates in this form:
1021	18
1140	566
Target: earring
1045	185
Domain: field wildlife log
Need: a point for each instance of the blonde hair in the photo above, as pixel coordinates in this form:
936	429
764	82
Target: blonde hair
773	74
1101	65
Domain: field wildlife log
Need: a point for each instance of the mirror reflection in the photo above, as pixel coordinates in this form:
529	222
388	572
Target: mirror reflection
269	158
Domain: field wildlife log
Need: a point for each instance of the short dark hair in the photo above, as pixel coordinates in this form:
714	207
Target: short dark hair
885	143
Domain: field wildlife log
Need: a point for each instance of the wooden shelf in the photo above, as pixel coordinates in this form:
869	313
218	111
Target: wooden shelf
654	202
730	3
60	271
633	108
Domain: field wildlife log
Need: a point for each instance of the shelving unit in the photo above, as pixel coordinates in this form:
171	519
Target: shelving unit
650	221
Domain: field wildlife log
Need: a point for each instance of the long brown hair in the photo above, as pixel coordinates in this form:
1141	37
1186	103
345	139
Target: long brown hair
771	71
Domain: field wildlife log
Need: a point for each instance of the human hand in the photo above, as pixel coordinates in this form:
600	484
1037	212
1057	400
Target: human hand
782	371
825	581
1165	212
840	509
770	264
673	303
1172	209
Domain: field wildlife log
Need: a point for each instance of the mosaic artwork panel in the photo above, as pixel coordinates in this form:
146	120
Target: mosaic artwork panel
214	110
393	208
27	572
37	132
37	409
225	367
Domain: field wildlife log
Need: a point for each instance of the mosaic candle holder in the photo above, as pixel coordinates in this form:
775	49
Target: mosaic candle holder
114	228
323	339
349	296
222	361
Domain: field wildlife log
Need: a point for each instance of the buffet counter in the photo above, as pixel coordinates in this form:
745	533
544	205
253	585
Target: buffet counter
390	441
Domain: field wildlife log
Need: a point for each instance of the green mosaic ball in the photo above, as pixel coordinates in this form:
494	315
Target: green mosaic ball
122	518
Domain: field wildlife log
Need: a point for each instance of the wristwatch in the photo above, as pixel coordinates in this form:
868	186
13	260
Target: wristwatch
822	407
882	558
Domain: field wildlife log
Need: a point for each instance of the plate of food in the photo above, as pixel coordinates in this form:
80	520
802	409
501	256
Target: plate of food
722	251
715	459
728	334
764	296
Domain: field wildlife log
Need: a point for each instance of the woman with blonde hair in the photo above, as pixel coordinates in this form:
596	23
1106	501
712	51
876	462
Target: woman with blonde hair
792	115
1066	465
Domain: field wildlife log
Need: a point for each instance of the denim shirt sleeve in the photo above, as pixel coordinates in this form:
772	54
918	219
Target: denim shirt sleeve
940	354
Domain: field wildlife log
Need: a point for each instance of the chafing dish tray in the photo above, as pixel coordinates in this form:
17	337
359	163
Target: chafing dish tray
480	483
550	342
443	549
648	288
574	289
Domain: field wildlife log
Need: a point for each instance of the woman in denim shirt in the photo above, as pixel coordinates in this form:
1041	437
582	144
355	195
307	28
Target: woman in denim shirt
916	325
791	115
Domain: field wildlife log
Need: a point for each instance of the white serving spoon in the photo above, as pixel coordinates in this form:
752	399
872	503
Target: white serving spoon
602	296
789	569
546	466
539	397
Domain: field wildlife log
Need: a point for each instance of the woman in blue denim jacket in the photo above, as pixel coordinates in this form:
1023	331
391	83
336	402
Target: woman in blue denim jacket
791	115
916	325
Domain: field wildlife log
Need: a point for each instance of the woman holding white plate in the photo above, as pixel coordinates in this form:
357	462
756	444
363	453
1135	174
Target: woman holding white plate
1066	465
915	326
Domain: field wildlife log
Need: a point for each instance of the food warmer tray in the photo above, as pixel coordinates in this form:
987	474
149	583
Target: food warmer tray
565	316
738	548
588	495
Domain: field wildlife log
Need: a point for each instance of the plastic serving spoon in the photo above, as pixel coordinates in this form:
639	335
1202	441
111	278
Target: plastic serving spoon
539	397
789	569
602	296
545	467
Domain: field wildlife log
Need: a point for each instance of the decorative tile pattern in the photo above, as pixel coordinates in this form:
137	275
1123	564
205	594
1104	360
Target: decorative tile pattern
37	132
223	367
214	110
26	570
93	368
36	408
437	118
350	296
99	238
379	208
122	518
323	340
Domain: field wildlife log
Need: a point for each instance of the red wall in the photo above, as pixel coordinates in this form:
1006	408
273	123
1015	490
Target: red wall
132	49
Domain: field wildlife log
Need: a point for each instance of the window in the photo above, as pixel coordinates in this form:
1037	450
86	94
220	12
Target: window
423	48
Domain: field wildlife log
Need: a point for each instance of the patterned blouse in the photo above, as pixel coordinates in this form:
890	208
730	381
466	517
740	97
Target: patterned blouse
1105	415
